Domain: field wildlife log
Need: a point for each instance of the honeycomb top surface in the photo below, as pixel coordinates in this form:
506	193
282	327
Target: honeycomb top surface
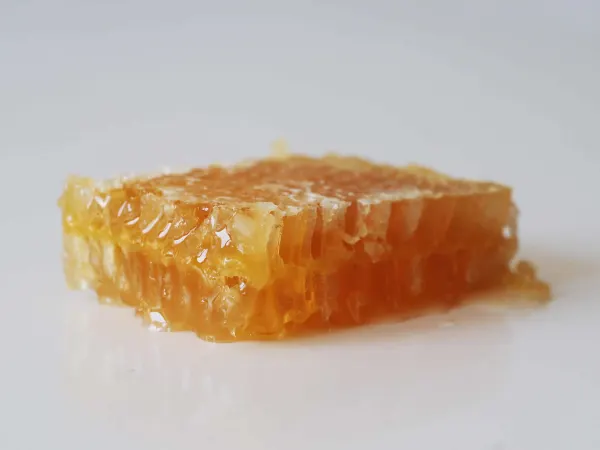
297	180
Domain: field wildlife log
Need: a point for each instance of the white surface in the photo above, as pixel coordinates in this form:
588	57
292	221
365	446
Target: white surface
506	91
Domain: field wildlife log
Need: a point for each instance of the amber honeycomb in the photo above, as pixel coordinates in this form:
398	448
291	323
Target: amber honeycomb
279	246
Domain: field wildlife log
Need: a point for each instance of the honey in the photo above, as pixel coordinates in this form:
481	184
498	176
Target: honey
290	244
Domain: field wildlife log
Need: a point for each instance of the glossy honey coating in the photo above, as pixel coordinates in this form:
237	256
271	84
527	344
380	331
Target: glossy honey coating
281	246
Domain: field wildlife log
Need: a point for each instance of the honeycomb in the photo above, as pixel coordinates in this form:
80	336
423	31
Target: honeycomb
291	244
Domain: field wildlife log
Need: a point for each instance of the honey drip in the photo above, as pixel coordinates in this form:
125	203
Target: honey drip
290	244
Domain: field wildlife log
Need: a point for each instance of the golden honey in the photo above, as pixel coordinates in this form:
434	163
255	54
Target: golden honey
280	246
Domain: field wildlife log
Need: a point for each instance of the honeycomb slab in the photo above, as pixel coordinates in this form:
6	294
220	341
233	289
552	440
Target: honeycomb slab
292	244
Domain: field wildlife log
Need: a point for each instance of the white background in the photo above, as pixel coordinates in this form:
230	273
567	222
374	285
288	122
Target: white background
488	89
